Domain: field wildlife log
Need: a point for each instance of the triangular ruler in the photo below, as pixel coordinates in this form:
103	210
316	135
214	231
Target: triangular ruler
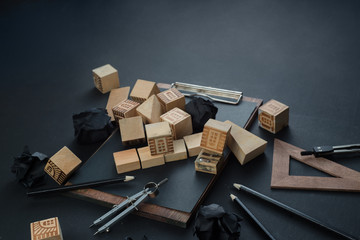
344	179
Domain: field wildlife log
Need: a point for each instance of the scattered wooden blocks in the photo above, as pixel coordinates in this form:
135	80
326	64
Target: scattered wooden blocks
125	109
106	78
62	164
214	135
179	153
116	96
132	131
48	229
159	138
143	90
180	122
150	110
208	162
273	116
148	160
245	145
193	144
126	161
171	98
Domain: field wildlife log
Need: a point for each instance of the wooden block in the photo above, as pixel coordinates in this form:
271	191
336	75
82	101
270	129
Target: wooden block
46	229
179	153
245	145
125	109
150	110
171	98
148	160
126	161
143	90
180	122
208	162
132	131
273	116
159	138
62	164
116	96
214	135
106	78
193	144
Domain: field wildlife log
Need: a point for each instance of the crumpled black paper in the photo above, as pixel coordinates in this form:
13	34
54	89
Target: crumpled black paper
213	223
93	125
201	111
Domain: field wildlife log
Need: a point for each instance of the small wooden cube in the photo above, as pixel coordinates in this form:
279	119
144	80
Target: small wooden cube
143	90
245	145
125	109
126	161
150	110
62	164
180	122
214	135
48	229
208	162
273	116
148	160
193	144
171	98
179	153
132	131
106	78
159	138
116	96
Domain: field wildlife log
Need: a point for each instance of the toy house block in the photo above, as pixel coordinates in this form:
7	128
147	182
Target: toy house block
132	131
273	116
125	109
179	153
193	144
143	90
245	145
150	110
214	135
106	78
126	161
208	162
148	160
171	98
116	96
62	164
159	138
48	229
179	121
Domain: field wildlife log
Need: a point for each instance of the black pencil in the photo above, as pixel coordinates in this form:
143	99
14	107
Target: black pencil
293	211
80	186
242	205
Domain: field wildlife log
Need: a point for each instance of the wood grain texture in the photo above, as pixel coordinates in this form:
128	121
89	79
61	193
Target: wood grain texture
170	99
116	96
106	78
143	90
273	116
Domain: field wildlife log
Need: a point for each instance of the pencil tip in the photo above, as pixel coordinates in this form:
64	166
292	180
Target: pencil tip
129	178
237	186
91	225
232	196
96	233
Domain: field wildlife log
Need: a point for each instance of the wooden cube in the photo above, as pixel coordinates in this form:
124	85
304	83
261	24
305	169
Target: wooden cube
126	161
125	109
245	145
132	131
171	98
180	122
193	144
273	116
46	229
148	160
116	96
179	153
159	138
208	162
214	135
150	110
106	78
143	90
62	164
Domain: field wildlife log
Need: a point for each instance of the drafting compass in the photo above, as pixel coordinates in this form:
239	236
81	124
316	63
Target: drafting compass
331	150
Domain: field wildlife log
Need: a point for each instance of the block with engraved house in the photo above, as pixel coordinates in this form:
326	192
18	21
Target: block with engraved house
193	144
106	78
62	164
159	138
132	131
47	229
208	162
126	161
171	98
273	116
150	110
180	122
125	109
148	160
142	90
214	135
179	153
116	96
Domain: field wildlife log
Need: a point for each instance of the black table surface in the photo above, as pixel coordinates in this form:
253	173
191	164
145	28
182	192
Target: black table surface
305	54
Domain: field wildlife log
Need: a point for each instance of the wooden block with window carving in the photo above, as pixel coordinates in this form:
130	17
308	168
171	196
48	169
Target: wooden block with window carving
47	229
159	138
106	78
273	116
125	109
214	135
179	121
171	98
142	90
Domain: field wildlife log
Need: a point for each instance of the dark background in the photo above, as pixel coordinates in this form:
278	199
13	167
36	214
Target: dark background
305	54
